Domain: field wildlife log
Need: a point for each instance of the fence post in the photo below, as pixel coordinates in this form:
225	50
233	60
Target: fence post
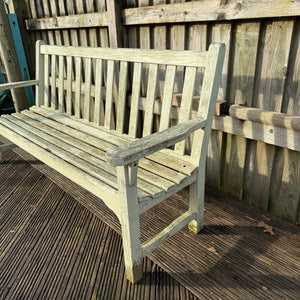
10	60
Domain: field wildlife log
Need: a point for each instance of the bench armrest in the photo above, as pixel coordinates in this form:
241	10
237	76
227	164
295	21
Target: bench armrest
133	151
19	84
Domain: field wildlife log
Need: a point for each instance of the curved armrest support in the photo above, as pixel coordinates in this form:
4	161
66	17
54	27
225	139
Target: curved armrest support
133	151
19	84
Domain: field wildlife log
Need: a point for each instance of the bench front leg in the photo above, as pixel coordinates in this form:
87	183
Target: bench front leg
130	212
5	147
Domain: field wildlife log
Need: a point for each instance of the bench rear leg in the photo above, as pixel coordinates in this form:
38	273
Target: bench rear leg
4	148
196	203
130	221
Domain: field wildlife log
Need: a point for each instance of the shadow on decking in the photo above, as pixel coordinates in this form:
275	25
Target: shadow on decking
52	247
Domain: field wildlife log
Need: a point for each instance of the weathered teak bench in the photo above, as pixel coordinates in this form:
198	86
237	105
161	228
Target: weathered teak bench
100	150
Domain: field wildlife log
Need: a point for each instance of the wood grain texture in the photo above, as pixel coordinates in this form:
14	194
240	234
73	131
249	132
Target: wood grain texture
220	33
268	173
207	10
246	36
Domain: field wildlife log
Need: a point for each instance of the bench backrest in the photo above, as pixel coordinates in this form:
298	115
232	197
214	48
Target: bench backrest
93	84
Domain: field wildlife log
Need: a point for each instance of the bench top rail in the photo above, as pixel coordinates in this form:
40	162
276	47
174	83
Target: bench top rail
170	57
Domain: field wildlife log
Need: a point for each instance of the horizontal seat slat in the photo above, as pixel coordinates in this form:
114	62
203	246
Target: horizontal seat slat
149	183
177	168
177	58
74	140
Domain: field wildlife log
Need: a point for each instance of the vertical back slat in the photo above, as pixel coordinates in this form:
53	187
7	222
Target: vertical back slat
134	106
109	94
39	74
88	82
151	90
53	82
78	66
186	102
98	91
167	98
69	85
61	83
46	81
122	96
209	93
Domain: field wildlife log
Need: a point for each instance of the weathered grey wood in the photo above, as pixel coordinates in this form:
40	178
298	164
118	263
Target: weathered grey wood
98	91
211	82
61	92
130	221
151	92
78	66
152	143
53	82
167	98
10	60
209	10
14	85
66	22
130	175
122	97
266	117
186	102
167	232
115	28
87	96
136	90
69	85
178	58
109	94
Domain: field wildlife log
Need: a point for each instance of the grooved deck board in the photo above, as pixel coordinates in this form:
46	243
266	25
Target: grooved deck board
51	247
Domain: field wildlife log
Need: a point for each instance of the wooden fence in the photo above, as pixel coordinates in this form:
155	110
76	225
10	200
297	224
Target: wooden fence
251	158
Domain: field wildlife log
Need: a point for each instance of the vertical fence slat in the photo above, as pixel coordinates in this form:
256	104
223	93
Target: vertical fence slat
122	96
134	110
167	98
98	91
109	95
87	96
151	90
78	67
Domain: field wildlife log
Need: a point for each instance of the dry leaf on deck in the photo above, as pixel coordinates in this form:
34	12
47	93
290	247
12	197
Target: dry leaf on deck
265	218
212	249
267	228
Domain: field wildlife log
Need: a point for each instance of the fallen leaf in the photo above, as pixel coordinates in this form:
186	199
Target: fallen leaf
267	228
265	218
264	288
33	206
212	249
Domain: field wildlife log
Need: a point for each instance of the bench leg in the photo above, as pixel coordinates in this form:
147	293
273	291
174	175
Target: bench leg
130	222
5	147
196	203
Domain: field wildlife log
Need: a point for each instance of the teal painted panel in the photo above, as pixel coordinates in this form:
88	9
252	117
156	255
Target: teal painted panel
21	56
1	78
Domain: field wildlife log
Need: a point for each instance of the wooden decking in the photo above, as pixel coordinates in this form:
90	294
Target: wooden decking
51	247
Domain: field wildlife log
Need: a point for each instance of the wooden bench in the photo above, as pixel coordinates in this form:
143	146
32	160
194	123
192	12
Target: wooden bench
83	127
